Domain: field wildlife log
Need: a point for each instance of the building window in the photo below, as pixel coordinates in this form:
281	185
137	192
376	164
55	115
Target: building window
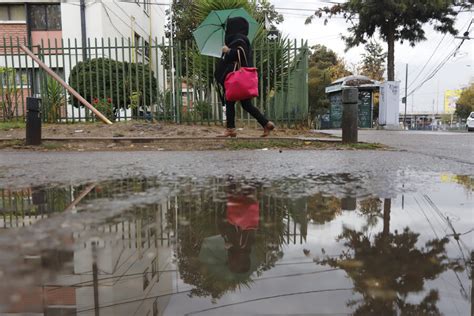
12	12
45	17
147	50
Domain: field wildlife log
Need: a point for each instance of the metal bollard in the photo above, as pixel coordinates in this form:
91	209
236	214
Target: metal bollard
33	121
350	116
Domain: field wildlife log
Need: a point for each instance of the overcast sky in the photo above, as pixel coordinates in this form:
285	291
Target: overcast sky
456	73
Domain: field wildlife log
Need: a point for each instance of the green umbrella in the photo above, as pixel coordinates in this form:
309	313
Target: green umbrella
214	255
210	34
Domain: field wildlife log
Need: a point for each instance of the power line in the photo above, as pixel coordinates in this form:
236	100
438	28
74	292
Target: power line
442	64
434	52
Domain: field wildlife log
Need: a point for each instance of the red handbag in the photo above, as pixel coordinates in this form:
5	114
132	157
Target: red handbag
242	83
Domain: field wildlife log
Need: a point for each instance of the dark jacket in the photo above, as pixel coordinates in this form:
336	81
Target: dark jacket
236	33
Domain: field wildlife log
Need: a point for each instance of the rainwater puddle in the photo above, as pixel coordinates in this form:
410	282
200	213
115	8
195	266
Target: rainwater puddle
226	246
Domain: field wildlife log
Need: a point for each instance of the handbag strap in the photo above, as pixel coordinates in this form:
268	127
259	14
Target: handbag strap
238	57
245	56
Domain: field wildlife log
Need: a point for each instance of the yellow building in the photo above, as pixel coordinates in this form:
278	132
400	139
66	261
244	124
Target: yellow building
450	99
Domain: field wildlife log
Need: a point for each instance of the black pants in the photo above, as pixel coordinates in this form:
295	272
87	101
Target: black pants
247	105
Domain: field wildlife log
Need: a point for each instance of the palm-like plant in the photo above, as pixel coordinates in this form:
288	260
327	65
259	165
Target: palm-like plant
53	100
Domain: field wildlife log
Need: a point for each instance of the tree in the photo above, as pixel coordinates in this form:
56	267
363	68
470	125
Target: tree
373	61
387	268
392	20
465	104
324	67
186	17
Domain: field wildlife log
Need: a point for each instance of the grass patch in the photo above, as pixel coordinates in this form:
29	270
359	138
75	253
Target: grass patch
52	146
364	146
6	126
274	144
11	143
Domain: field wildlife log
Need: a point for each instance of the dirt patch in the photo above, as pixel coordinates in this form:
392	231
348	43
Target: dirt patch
143	136
186	145
144	129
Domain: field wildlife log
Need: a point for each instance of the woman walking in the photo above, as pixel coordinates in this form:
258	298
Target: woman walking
237	43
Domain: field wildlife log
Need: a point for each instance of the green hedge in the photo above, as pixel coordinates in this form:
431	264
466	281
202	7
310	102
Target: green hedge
106	78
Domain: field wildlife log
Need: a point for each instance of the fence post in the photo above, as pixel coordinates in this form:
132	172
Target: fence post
350	99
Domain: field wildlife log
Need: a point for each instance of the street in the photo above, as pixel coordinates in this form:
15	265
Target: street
454	146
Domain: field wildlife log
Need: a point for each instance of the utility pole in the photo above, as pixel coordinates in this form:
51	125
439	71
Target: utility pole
83	29
406	99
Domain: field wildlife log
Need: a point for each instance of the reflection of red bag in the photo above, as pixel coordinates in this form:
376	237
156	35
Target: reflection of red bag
243	212
242	83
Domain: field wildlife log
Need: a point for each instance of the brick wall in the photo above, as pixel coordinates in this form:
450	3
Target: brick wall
14	30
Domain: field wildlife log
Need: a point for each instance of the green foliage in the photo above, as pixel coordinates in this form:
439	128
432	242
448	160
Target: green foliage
373	61
107	78
6	126
53	99
324	67
188	14
465	104
393	20
135	100
11	94
203	109
105	107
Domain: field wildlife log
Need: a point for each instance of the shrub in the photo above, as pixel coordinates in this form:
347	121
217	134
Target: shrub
204	109
102	77
105	107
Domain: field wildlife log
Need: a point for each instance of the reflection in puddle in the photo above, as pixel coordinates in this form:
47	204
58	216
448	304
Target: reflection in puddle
235	246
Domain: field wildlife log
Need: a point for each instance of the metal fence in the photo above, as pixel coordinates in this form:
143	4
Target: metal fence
127	79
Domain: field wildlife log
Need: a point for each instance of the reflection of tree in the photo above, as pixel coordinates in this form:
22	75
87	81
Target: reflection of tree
371	209
466	181
323	209
388	268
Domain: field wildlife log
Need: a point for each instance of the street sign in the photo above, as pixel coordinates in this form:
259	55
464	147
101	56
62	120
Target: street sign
273	35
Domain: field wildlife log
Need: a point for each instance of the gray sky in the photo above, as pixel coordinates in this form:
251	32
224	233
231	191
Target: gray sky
454	75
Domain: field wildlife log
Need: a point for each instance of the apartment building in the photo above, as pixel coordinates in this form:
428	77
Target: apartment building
70	31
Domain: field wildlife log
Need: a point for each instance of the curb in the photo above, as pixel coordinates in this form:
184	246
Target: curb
164	139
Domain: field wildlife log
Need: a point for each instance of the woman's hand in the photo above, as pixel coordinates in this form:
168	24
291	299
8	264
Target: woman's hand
225	49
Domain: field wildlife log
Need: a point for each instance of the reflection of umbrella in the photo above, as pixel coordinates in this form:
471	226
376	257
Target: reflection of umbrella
215	256
210	34
243	212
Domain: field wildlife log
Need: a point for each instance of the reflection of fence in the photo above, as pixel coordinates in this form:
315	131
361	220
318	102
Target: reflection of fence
137	81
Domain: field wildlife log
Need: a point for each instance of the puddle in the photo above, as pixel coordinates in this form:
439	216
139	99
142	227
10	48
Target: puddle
225	246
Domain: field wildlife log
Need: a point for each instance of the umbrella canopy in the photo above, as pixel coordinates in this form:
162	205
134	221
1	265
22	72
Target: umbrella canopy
210	35
215	256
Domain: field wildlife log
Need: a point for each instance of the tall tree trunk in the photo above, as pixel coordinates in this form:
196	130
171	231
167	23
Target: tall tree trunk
391	55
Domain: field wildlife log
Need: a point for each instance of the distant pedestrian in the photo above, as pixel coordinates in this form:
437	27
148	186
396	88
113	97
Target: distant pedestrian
236	42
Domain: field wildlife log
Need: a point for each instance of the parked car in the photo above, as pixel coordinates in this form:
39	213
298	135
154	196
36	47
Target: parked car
470	122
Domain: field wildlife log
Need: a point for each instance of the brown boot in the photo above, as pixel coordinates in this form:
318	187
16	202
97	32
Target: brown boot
267	129
229	132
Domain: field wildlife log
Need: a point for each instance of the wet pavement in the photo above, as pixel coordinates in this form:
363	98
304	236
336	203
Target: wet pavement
340	233
456	146
333	232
